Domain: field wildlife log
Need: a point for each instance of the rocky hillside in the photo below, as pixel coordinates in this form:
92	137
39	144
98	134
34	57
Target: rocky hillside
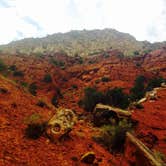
34	88
82	43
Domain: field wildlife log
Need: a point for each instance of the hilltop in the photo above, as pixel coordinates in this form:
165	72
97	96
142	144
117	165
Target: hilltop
83	43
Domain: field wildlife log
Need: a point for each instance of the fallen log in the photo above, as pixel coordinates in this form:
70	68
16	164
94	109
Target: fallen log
104	114
144	151
118	111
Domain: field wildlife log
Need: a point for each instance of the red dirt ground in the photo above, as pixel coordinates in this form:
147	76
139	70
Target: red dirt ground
17	105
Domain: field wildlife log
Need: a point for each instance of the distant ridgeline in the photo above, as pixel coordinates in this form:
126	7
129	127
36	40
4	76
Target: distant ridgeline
82	43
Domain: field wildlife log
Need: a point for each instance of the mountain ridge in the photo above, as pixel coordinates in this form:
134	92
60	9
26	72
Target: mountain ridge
83	43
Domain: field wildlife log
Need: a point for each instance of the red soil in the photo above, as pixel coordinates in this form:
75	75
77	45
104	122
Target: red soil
17	104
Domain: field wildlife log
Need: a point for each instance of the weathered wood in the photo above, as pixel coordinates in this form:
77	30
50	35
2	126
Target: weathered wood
118	111
145	151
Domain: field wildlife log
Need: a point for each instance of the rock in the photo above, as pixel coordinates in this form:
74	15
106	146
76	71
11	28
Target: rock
61	124
88	158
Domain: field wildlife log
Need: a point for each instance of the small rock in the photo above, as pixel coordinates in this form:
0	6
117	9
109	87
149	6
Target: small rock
88	158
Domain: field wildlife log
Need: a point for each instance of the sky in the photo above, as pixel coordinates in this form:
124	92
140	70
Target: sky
144	19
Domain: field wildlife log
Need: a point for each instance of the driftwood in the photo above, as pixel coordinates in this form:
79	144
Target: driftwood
118	111
144	151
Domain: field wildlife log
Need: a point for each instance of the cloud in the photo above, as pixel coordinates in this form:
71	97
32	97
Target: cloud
145	19
31	21
5	4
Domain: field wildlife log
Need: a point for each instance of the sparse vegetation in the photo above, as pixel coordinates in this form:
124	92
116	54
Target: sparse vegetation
33	89
74	86
24	84
155	82
113	137
13	68
138	90
136	52
47	78
18	73
91	98
3	66
116	97
35	130
41	103
105	79
57	63
54	100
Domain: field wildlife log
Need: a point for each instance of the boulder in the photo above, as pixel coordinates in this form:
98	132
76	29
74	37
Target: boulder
61	124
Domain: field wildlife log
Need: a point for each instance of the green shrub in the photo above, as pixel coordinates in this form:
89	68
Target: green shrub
105	79
54	100
97	81
114	97
74	86
41	103
138	90
136	52
2	66
58	63
35	130
24	84
47	78
33	89
113	137
155	82
91	98
117	98
106	55
18	74
33	118
13	68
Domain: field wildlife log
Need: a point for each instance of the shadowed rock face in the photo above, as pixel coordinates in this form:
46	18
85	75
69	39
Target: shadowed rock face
61	124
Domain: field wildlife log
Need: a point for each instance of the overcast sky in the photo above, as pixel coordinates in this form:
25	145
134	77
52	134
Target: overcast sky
144	19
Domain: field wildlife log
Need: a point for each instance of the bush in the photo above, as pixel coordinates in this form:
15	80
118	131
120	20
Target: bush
106	55
33	89
18	74
105	79
13	68
136	52
91	98
2	65
58	63
114	97
138	91
24	84
113	137
47	78
54	100
35	130
117	98
74	86
154	82
41	103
